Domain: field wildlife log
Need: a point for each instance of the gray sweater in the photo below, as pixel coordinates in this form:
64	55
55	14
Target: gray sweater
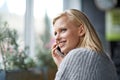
85	64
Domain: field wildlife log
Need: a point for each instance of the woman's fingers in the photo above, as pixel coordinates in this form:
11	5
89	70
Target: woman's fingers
53	49
57	58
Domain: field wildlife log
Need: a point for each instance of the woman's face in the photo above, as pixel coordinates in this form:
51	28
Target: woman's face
66	34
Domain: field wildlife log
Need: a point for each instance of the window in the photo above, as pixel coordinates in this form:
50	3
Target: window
30	27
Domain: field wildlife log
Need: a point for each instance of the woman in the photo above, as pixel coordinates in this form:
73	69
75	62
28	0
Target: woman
84	57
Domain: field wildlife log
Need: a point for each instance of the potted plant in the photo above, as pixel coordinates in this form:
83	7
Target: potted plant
14	61
12	57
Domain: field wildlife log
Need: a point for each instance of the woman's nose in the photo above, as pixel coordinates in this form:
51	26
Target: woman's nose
57	37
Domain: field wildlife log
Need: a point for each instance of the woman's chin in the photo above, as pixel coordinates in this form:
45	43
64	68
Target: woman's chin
65	51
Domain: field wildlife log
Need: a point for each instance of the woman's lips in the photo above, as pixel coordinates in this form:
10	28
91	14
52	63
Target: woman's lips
61	44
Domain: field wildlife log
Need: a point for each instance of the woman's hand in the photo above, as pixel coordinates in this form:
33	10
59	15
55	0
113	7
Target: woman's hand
57	58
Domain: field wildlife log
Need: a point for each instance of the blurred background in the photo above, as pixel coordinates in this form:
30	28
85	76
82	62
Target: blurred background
26	34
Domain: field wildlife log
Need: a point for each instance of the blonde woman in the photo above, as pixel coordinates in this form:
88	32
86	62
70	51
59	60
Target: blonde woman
83	57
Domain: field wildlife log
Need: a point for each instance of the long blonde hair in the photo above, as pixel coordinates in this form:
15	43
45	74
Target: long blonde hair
91	39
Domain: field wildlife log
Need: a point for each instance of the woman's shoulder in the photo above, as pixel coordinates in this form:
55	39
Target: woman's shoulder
82	51
88	54
81	54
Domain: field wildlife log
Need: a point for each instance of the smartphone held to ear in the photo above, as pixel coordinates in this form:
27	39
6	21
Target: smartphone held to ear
59	52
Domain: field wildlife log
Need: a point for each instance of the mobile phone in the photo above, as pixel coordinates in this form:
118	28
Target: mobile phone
59	52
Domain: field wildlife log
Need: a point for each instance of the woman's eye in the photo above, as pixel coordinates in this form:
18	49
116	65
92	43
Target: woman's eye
63	30
55	33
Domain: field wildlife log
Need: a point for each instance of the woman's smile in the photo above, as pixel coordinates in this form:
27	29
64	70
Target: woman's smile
62	43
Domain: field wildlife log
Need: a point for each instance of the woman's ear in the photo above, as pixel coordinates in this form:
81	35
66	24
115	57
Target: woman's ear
81	30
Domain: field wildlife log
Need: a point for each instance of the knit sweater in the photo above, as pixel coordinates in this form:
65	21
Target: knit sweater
86	64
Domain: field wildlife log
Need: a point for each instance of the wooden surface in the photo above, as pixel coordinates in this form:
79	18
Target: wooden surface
30	75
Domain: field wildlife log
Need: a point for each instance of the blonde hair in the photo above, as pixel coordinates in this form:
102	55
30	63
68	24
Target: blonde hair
91	39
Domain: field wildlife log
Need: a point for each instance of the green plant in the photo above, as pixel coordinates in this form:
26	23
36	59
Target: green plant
44	58
12	57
